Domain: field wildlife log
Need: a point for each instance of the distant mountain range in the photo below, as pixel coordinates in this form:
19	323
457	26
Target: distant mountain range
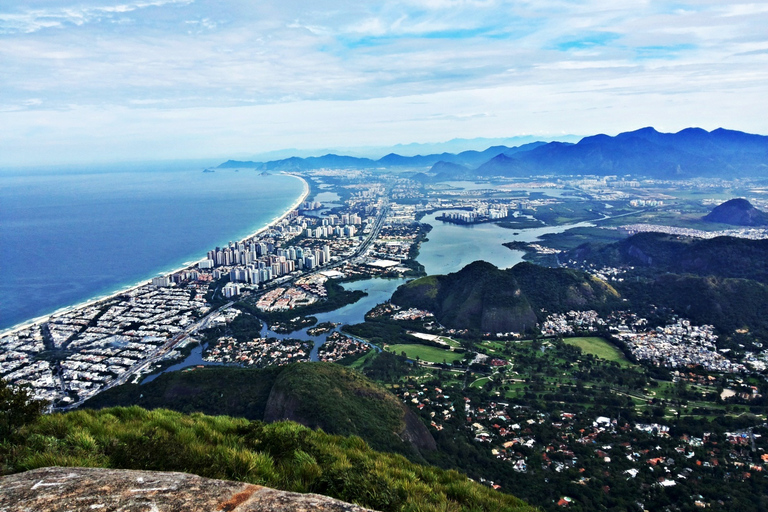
692	152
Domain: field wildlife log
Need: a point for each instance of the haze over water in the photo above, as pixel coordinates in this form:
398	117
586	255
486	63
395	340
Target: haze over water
67	238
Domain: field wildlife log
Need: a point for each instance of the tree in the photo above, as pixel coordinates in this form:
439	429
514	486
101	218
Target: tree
17	407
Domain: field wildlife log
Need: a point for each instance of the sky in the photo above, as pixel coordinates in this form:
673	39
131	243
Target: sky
122	80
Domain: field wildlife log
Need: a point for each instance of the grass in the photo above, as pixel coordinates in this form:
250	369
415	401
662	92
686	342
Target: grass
281	455
425	353
600	348
450	341
360	361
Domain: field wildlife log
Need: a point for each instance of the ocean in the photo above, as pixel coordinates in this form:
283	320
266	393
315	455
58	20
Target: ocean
68	236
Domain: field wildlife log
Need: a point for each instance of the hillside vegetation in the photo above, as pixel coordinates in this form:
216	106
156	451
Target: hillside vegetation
281	455
319	395
483	297
660	252
721	281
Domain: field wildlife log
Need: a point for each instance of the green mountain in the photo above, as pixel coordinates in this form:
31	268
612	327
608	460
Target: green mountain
728	257
721	281
319	395
483	297
728	304
738	212
282	455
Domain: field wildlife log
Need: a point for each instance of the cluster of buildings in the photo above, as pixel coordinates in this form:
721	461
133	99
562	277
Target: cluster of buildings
258	352
477	214
440	406
395	241
751	233
582	447
337	347
641	203
281	299
567	324
411	314
677	345
101	342
246	266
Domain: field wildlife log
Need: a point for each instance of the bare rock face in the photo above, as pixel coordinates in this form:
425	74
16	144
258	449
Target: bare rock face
106	490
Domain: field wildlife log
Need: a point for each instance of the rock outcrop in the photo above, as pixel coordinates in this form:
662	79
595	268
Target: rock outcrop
105	490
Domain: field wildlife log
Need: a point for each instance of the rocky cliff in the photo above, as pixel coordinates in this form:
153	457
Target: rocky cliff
105	490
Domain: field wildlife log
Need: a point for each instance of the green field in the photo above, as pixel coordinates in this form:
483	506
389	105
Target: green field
358	363
600	348
425	353
480	382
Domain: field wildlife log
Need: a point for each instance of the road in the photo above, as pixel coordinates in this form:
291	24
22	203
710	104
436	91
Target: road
155	355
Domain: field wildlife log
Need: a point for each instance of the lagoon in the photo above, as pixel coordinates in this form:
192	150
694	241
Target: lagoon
451	247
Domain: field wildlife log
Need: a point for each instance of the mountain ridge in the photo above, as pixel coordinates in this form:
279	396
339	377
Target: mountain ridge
691	152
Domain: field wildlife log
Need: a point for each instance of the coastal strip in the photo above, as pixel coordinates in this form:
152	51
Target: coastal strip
90	302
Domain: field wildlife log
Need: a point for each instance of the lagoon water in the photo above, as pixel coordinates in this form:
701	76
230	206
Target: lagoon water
67	237
450	247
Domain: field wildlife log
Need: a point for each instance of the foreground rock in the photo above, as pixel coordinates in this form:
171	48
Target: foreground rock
105	490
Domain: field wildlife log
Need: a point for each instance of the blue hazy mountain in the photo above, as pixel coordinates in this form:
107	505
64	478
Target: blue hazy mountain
689	153
692	152
469	159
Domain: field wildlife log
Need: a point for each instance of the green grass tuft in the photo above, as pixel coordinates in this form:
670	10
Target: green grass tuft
282	455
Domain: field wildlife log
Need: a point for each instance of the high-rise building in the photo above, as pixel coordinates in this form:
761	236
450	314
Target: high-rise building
161	281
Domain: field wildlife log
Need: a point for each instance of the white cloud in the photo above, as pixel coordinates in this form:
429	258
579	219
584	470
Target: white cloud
34	20
466	63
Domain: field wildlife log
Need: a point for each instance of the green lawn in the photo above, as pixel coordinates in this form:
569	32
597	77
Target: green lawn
480	382
450	341
358	363
425	353
599	347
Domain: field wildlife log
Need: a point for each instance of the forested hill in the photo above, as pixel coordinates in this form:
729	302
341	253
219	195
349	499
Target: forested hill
482	297
728	257
721	281
318	395
282	455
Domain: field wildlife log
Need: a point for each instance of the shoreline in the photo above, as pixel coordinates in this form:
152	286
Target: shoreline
95	300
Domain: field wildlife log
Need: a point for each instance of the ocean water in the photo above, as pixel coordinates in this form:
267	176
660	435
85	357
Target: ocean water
68	237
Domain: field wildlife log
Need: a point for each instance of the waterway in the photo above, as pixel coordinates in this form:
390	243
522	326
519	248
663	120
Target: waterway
379	290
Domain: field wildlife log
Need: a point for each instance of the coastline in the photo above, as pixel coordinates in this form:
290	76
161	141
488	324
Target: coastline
95	300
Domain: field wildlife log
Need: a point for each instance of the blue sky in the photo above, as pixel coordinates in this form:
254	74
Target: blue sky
100	80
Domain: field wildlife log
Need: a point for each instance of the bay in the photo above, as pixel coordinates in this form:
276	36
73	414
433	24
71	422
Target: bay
68	237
